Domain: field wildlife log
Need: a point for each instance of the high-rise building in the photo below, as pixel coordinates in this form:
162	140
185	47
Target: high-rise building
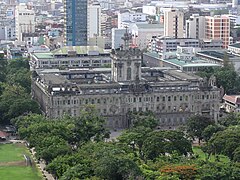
218	27
173	23
76	17
24	21
195	27
94	25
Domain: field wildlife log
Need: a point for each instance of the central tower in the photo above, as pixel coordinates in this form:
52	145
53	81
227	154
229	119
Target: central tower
126	62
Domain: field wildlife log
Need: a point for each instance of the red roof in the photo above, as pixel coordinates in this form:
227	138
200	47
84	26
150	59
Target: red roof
3	134
235	99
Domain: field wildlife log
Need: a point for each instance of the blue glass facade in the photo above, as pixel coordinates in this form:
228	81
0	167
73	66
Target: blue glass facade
76	22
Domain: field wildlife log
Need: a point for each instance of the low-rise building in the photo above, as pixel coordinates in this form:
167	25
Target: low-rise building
168	44
143	33
234	48
172	95
71	57
219	56
231	103
184	59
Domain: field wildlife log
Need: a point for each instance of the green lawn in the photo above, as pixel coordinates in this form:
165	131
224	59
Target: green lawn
202	156
19	173
12	152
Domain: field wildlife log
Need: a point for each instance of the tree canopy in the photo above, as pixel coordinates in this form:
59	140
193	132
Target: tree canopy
15	88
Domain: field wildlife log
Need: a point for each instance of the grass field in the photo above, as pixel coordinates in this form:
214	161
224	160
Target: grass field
12	163
202	156
19	173
12	152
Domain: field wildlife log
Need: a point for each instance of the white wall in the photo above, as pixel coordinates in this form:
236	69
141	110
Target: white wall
150	10
94	20
130	17
117	35
25	20
195	29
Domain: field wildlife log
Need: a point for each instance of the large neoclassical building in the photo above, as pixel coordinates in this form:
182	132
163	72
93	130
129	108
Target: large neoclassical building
127	86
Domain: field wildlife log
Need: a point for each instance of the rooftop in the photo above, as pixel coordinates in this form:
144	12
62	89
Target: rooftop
44	55
236	45
196	62
217	54
79	50
149	26
54	78
235	99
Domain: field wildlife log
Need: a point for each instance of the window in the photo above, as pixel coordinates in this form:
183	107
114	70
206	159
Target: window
169	98
163	99
129	73
157	99
175	98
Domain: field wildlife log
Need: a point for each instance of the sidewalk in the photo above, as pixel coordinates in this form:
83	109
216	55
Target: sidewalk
41	165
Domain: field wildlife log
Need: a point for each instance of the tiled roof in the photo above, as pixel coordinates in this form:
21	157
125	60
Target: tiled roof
3	134
235	99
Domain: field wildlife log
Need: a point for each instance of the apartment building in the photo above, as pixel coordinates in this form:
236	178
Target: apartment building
24	21
218	27
195	27
173	23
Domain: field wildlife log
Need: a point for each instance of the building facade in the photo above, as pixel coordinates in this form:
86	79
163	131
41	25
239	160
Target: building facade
231	103
172	95
71	57
195	27
218	27
24	21
168	44
76	22
130	17
94	20
173	23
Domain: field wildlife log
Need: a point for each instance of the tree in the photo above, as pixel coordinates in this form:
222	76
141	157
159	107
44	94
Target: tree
135	138
165	142
20	77
210	130
14	102
231	119
225	142
55	147
96	160
144	119
226	77
27	120
3	69
236	154
16	64
89	126
196	124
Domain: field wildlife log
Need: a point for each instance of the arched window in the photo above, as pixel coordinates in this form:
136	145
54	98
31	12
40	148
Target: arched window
129	73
